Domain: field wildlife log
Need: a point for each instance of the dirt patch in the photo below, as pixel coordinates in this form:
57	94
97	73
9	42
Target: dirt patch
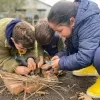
68	89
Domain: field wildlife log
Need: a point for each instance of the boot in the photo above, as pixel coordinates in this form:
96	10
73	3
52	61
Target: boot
94	90
88	71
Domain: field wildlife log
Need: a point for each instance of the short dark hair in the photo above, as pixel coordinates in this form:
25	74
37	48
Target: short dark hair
43	33
23	33
61	12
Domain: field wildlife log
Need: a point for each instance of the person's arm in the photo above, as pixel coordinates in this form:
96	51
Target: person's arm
40	53
30	58
31	53
40	50
62	52
89	39
7	63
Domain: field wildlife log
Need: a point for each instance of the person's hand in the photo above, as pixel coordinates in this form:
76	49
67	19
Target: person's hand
55	64
40	64
22	70
46	66
54	58
31	64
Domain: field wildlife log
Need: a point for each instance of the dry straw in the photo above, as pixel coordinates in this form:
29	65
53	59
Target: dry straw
35	80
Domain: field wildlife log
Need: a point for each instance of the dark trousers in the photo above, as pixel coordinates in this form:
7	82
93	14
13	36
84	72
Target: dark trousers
96	61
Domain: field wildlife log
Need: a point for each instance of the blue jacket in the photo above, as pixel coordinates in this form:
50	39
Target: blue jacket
85	38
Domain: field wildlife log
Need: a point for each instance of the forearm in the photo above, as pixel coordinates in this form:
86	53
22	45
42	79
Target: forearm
41	59
30	54
62	53
40	50
9	64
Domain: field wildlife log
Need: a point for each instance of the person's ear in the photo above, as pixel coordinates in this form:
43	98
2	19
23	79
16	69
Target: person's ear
72	22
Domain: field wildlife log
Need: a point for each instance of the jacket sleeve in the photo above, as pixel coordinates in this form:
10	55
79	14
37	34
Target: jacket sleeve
62	53
89	39
40	50
7	63
31	53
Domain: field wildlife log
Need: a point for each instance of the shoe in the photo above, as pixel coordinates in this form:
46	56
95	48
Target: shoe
88	71
94	90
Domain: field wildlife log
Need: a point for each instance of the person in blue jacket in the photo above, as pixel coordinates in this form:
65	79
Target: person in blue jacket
79	22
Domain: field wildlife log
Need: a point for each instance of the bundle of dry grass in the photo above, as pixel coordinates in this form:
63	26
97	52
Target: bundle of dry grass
29	83
28	78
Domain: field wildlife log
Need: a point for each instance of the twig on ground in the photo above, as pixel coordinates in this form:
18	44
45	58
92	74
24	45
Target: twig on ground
56	92
71	87
2	90
2	86
34	92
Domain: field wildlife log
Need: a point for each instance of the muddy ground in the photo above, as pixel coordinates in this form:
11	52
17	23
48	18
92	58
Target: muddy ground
68	89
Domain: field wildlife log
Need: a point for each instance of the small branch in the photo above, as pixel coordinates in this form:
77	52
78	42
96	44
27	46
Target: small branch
55	91
34	92
2	90
2	86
